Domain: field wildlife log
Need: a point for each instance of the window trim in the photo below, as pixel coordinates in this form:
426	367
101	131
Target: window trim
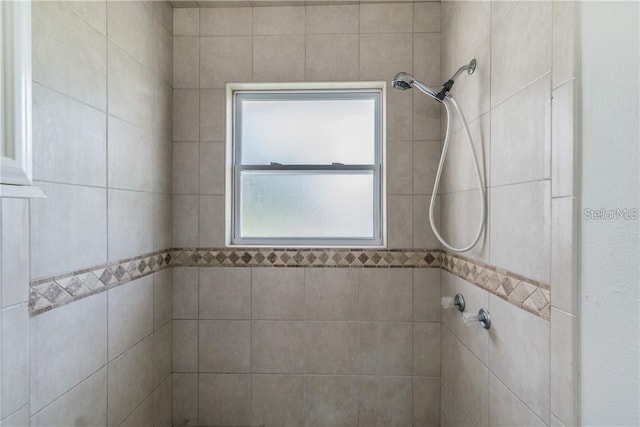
15	101
232	178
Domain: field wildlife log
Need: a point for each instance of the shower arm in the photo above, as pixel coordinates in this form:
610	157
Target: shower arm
446	87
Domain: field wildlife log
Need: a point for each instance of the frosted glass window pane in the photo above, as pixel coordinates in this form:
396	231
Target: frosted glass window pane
299	131
313	205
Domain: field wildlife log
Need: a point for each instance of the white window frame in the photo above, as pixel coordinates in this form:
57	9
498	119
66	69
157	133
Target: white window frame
232	235
15	100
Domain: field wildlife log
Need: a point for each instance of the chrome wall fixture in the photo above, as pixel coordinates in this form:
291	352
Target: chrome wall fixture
457	302
483	317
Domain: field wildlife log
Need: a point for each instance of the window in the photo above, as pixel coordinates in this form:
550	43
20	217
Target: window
15	100
305	165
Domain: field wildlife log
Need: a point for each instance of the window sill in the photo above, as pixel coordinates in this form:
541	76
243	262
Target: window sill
20	192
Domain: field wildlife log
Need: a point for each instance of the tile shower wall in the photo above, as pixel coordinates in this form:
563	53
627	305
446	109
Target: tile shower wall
102	101
289	346
14	315
520	108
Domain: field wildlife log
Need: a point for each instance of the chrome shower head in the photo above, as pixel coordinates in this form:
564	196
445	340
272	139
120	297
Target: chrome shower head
402	81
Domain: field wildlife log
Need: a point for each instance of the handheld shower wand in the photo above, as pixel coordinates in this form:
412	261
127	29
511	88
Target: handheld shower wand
404	81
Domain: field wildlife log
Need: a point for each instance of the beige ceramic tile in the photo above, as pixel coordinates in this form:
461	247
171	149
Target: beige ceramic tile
278	293
426	349
162	297
225	293
186	22
426	17
331	294
465	380
511	207
385	294
224	346
186	115
521	136
15	251
332	57
565	41
69	139
211	222
426	294
385	348
426	58
426	401
163	403
331	400
186	62
225	59
130	381
332	19
130	314
185	221
163	109
212	168
564	141
505	409
130	88
130	26
222	21
332	347
94	12
278	347
225	399
185	399
142	416
130	231
185	293
212	115
69	55
400	221
520	49
564	254
162	354
564	367
163	51
71	214
185	346
127	144
15	358
278	58
186	173
87	401
400	167
519	354
278	400
384	401
386	18
278	20
384	55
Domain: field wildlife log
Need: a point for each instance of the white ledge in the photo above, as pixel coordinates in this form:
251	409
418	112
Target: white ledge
20	192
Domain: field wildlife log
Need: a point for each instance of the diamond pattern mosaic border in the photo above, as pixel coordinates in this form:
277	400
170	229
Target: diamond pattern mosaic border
48	293
530	295
356	258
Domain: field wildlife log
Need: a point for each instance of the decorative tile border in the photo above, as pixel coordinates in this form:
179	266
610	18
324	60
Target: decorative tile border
530	295
48	293
51	292
356	258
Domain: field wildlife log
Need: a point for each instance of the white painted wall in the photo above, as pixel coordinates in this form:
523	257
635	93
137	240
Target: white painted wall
610	315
